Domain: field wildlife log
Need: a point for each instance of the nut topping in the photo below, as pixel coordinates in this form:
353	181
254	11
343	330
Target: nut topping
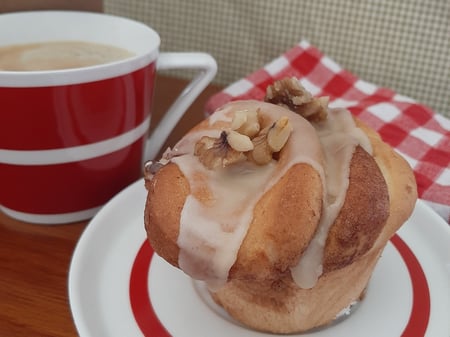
244	141
239	142
239	119
278	134
246	122
271	140
262	153
217	152
290	94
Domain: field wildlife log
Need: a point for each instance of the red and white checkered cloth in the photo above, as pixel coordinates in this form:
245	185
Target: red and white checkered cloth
421	136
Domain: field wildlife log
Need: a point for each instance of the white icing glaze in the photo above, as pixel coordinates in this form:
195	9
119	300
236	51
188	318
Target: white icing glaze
211	234
206	251
339	138
212	228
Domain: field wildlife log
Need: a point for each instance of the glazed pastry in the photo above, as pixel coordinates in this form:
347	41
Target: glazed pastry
282	207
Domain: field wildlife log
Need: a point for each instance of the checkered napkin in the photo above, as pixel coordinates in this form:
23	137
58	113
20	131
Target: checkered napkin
421	136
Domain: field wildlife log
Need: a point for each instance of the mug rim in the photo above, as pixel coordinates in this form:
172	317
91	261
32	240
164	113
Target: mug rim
146	53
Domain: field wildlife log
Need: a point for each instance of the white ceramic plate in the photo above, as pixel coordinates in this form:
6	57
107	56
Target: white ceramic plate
118	287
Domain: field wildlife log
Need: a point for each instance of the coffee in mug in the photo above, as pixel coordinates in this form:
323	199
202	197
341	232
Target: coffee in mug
53	55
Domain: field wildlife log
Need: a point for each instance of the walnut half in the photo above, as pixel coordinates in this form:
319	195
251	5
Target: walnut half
225	150
246	122
270	140
290	94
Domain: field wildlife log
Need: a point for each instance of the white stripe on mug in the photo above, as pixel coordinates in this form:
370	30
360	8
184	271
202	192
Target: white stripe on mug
75	153
51	219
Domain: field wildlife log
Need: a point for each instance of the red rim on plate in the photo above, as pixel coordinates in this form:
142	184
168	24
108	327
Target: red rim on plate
150	325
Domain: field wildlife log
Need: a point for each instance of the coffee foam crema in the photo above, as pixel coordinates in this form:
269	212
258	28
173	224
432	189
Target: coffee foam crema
56	55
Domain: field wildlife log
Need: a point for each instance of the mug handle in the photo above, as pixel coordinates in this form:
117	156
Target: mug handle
174	60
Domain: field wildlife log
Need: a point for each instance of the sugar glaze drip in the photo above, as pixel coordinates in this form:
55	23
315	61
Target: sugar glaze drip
212	231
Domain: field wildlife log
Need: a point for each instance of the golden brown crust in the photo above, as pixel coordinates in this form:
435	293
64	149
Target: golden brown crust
266	251
400	180
163	210
282	307
285	219
362	215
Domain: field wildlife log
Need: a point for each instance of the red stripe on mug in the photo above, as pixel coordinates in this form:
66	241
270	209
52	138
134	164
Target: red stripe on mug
77	114
70	187
75	153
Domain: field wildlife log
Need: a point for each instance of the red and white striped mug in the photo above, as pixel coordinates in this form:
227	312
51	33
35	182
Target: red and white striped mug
70	139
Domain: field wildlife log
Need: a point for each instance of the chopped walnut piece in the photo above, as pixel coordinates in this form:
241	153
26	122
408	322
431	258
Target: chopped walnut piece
279	133
289	93
270	140
262	153
246	122
239	142
316	110
214	153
